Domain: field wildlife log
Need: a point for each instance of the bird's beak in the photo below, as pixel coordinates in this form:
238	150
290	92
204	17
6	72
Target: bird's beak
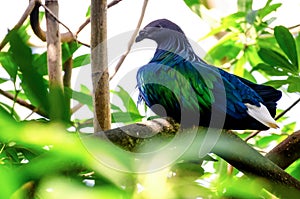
142	35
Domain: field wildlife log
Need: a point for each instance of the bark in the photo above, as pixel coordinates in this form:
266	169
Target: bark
100	76
287	152
53	46
228	146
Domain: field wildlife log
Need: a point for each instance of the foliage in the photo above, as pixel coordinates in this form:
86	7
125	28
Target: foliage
44	159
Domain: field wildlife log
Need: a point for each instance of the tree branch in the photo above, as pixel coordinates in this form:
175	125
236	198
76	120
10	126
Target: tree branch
287	152
23	103
27	12
131	41
229	147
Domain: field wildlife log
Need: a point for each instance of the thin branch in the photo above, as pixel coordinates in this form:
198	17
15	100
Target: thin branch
65	37
276	118
111	4
88	20
288	109
22	103
26	13
131	41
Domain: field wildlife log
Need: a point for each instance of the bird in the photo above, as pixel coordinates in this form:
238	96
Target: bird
177	83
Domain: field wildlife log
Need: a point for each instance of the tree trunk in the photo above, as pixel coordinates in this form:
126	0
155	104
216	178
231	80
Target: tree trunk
100	76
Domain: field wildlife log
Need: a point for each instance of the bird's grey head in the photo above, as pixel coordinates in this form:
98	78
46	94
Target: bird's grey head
159	30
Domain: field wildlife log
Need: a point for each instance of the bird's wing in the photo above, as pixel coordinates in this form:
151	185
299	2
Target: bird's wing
185	84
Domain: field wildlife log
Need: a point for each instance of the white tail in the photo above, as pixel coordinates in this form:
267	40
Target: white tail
262	115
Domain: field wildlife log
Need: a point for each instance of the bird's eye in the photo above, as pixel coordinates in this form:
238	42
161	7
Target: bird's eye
159	26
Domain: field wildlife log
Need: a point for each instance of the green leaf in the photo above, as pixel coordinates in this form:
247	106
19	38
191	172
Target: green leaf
265	141
125	117
232	21
127	101
271	70
297	39
40	63
276	83
252	55
115	108
9	64
88	12
32	83
2	80
239	66
224	51
81	60
68	50
10	111
245	5
274	58
81	97
294	169
287	43
294	84
267	9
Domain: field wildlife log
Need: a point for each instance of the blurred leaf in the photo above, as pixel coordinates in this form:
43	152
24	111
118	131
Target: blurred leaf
294	84
271	70
276	83
195	5
88	12
287	43
252	55
127	101
276	59
267	9
265	141
297	39
294	169
11	112
115	107
289	128
125	117
81	97
229	22
244	5
241	188
9	181
2	80
81	60
9	64
226	50
68	49
32	82
239	69
40	63
251	16
249	76
188	169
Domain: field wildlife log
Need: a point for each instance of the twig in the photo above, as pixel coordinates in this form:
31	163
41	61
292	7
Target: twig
276	118
26	13
76	107
22	103
286	110
131	41
88	20
113	3
56	18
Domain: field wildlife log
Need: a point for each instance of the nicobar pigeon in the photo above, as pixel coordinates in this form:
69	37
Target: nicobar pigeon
179	84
